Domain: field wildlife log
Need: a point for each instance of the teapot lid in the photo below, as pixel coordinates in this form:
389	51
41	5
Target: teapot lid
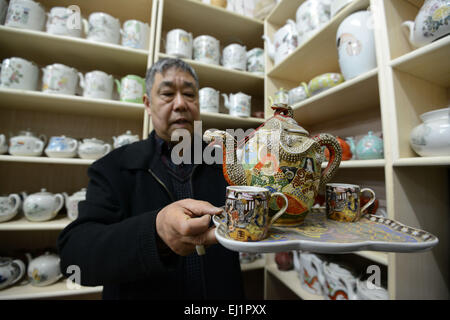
93	140
27	133
43	192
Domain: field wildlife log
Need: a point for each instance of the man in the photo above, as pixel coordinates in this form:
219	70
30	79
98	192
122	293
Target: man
138	228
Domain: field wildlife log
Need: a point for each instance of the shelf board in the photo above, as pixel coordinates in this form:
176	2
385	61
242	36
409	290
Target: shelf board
430	62
318	54
291	280
227	26
224	121
59	289
85	55
226	80
69	104
422	161
227	13
255	265
20	223
380	257
283	11
378	163
46	160
355	95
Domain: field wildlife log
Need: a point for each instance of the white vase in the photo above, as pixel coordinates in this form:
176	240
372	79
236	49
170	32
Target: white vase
356	45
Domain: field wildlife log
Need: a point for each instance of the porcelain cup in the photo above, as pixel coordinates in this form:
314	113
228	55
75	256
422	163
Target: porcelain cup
235	57
102	27
64	22
60	79
209	100
247	212
3	11
131	88
62	147
135	34
343	201
9	206
179	43
207	49
356	45
11	271
255	61
18	73
97	85
25	14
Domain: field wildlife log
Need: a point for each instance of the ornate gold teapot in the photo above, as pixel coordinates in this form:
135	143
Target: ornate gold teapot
281	157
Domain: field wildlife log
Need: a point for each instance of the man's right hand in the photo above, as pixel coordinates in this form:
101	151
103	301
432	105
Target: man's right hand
184	224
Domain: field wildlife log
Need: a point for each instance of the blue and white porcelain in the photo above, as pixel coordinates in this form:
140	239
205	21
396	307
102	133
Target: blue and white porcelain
9	206
11	271
62	147
370	147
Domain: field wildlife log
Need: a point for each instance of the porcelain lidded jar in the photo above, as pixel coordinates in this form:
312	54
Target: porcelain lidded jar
179	43
42	206
44	270
356	45
432	23
370	147
432	137
207	49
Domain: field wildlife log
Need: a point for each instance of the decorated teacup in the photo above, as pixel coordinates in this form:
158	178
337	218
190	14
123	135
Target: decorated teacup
247	212
343	201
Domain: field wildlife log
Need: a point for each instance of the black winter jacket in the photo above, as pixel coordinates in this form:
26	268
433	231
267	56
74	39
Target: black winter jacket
113	241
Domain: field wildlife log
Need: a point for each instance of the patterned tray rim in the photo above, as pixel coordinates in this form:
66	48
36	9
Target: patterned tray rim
321	246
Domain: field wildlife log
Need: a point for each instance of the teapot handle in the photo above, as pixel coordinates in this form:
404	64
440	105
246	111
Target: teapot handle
333	146
107	148
60	199
39	146
22	270
18	201
74	143
2	139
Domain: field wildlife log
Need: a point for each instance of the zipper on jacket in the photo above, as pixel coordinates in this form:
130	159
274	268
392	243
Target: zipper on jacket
164	186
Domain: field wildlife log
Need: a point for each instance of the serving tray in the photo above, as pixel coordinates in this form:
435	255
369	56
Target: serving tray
322	235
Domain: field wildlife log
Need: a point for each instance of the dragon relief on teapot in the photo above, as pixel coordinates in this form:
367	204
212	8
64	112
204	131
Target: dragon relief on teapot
281	157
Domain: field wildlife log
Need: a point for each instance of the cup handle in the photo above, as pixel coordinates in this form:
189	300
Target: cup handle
368	204
282	210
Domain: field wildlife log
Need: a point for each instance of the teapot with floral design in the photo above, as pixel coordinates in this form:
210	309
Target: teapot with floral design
281	157
432	23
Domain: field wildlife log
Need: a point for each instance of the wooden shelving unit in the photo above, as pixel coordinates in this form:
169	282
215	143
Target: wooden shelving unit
73	116
388	100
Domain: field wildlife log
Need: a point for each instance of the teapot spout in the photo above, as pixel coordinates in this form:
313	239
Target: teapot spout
233	170
270	47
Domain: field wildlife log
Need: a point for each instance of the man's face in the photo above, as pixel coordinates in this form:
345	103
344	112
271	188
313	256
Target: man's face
174	102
